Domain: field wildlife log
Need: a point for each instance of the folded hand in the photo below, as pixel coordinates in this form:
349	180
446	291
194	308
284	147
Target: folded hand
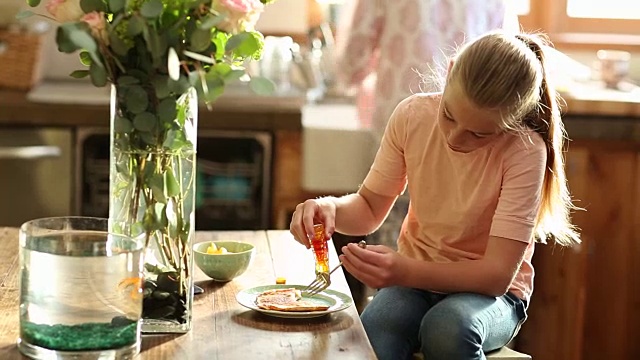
376	266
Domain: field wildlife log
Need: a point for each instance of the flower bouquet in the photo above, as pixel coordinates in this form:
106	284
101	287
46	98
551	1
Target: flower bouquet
160	57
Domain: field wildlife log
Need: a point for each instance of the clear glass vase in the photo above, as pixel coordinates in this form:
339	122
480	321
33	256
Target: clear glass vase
152	189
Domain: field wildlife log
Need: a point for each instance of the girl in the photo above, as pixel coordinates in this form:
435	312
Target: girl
484	168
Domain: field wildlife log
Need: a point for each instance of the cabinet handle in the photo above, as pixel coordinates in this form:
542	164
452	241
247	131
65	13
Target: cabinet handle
29	152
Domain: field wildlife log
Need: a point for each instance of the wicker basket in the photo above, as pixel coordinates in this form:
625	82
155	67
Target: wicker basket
19	57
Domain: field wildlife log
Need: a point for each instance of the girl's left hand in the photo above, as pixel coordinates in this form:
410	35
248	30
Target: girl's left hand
376	266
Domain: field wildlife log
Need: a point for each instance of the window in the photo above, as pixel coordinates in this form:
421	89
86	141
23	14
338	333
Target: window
521	7
583	22
598	9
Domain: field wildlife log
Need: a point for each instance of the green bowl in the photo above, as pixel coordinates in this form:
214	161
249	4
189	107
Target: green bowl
224	267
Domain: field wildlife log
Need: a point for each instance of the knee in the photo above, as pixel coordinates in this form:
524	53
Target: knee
374	319
450	335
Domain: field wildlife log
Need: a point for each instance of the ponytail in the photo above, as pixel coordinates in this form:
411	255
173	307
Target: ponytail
553	220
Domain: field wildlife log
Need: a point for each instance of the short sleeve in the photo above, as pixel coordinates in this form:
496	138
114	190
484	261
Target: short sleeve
521	191
388	174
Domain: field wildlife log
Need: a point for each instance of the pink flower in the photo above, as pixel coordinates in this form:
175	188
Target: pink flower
65	10
241	15
98	27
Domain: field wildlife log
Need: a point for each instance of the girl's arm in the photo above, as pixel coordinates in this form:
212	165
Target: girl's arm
491	275
360	213
379	266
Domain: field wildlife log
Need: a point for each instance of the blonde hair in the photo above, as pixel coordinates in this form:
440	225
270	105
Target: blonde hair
506	72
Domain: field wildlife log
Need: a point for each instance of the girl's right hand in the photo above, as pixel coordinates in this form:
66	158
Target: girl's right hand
310	212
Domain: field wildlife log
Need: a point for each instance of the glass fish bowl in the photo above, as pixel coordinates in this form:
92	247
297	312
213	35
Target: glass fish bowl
80	290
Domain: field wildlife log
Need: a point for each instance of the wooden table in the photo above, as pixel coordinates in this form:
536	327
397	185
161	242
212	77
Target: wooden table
223	329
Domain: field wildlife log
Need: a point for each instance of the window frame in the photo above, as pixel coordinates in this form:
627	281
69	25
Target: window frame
550	16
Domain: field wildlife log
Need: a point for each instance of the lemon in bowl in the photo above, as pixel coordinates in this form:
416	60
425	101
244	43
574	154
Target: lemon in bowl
223	260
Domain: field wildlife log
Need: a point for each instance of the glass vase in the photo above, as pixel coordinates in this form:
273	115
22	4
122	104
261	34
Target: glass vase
152	189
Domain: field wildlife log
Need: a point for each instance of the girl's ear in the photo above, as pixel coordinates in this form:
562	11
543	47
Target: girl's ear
450	66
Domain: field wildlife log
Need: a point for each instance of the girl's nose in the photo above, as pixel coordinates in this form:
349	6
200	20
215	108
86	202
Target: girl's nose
456	138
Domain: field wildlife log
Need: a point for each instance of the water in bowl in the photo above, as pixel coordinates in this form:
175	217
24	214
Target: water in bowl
80	293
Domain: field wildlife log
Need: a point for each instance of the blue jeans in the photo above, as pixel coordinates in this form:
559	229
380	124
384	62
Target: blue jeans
400	321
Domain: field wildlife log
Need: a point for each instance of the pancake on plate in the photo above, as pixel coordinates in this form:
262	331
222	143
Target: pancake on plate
286	300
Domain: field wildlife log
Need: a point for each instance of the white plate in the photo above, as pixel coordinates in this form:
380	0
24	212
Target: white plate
336	301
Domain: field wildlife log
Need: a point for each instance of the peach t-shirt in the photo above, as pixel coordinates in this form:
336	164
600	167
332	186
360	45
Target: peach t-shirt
459	199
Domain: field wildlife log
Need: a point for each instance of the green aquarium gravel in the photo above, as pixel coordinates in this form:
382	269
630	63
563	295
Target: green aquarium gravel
89	336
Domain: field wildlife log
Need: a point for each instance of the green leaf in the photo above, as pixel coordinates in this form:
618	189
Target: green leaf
161	85
145	122
79	74
138	74
33	3
210	87
151	9
25	14
164	221
65	45
92	5
149	168
137	229
236	40
172	186
122	125
228	73
262	86
248	44
174	140
148	138
149	219
125	80
137	100
116	5
118	46
156	44
222	68
234	75
167	110
85	58
194	77
219	41
160	213
200	40
210	21
80	36
135	26
179	87
98	75
156	183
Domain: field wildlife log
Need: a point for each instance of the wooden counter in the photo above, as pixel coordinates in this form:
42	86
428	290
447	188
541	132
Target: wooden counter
593	99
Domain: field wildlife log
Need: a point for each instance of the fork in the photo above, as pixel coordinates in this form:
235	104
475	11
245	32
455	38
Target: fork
323	280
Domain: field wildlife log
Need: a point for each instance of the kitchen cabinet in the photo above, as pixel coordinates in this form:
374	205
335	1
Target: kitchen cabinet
586	302
35	173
